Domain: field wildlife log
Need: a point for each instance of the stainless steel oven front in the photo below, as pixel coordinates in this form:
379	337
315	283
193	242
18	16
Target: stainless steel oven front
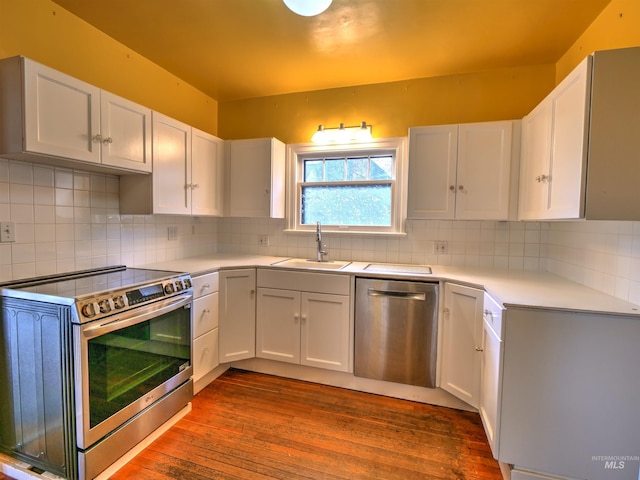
127	362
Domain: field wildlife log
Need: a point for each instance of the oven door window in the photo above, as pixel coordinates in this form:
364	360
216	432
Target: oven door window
127	363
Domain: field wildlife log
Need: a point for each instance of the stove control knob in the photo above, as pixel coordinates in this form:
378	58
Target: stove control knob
169	288
118	302
88	310
179	285
187	283
104	305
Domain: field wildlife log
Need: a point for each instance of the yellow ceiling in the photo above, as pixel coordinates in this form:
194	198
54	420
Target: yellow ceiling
235	49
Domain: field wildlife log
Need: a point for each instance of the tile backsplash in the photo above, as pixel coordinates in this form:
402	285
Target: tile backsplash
69	220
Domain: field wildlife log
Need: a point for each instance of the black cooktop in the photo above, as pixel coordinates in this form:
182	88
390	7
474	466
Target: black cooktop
89	282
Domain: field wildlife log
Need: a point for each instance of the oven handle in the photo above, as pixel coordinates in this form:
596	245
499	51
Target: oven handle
126	320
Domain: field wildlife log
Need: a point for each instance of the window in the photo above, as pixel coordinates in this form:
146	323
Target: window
351	188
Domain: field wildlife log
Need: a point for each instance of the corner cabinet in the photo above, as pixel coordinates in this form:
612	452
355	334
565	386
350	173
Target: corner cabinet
580	144
304	318
461	342
187	173
463	171
237	340
51	117
255	177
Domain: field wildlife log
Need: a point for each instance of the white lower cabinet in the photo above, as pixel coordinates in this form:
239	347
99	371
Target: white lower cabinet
237	339
461	342
491	371
205	327
304	327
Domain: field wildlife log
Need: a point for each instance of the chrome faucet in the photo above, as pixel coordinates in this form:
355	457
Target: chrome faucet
320	253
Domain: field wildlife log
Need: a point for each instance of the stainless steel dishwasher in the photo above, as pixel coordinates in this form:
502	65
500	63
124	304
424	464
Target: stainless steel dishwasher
396	331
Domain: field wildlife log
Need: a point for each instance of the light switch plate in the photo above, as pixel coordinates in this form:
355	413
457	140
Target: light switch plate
7	232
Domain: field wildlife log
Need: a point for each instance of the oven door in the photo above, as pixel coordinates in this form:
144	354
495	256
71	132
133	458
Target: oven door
127	362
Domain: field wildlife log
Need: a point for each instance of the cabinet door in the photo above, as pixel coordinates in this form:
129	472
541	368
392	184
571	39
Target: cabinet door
484	171
237	317
256	178
206	173
125	129
171	161
569	144
491	379
433	153
325	331
278	325
534	162
62	114
461	347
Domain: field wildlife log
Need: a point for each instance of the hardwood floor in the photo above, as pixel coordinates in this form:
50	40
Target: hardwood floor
253	426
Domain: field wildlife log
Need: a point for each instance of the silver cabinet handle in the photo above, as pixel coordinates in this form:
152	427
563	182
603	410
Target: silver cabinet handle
97	138
393	293
107	140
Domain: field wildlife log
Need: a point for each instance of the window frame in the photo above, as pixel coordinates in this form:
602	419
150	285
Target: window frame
298	153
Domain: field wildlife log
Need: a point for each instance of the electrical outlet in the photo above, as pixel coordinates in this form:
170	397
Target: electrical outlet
263	240
172	233
440	247
7	232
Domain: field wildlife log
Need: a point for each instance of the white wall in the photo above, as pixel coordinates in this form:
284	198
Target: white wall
69	220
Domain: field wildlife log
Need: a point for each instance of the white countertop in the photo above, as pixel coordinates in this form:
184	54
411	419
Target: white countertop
512	288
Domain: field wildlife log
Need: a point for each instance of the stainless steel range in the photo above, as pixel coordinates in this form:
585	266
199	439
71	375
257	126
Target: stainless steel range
92	363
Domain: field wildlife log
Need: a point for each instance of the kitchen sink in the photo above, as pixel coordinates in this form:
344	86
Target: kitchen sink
303	263
395	268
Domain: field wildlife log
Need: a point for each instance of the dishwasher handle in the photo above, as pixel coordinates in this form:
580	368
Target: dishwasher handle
372	292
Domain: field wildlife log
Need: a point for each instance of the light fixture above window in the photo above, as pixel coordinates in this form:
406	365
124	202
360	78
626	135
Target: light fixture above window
307	8
342	134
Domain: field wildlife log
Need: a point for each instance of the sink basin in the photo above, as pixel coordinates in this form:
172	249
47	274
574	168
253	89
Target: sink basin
391	268
303	263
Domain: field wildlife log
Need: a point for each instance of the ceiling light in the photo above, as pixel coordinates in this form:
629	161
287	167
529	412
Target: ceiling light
307	8
342	134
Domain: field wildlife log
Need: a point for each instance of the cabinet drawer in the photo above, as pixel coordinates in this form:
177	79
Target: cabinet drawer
205	314
493	314
304	281
205	354
205	284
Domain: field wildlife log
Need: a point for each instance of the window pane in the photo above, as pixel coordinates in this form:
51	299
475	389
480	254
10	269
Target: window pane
334	170
381	168
347	205
357	168
313	170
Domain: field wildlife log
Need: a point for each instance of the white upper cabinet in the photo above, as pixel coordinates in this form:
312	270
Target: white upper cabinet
125	133
207	157
462	171
49	116
579	146
256	177
187	173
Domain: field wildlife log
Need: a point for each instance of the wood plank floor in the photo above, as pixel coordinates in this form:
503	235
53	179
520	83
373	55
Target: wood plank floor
253	426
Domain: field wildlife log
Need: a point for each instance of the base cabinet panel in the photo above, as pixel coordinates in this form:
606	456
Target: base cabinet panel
461	342
237	315
569	393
